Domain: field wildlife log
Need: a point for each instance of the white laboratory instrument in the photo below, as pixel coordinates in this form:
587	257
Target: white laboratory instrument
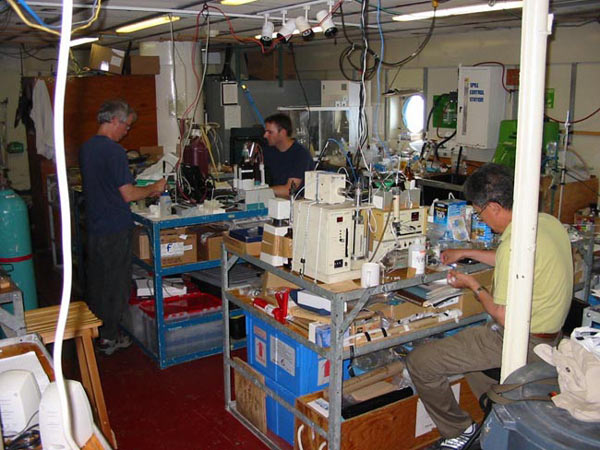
324	187
323	241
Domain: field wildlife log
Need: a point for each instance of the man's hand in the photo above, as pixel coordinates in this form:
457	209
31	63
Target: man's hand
462	280
158	188
452	255
131	193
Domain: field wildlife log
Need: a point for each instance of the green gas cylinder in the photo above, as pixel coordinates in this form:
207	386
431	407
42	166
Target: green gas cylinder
15	245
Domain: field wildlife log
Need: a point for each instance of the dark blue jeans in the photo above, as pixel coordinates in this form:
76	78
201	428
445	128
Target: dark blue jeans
109	278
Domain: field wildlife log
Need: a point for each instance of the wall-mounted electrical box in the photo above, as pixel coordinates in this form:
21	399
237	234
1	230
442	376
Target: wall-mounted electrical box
481	103
343	93
444	110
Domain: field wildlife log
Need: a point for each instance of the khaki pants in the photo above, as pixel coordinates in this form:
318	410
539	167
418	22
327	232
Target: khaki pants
472	350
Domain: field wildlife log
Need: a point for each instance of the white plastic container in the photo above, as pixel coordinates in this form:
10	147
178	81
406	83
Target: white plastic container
165	204
416	257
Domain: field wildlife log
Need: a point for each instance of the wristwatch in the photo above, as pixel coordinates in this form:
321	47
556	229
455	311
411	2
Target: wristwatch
478	291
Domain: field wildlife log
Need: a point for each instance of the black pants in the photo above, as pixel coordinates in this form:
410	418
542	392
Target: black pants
109	278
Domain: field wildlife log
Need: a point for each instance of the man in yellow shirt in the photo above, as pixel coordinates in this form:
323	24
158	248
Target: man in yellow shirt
490	190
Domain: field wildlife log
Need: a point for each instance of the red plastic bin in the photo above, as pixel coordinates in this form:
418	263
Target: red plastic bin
183	306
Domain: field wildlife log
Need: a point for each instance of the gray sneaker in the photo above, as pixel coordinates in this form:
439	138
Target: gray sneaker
459	442
109	346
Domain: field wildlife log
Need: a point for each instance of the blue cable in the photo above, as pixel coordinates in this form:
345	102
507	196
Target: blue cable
32	13
252	104
345	154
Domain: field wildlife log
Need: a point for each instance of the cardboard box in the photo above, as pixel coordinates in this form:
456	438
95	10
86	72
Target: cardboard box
403	424
270	280
209	238
177	246
156	152
276	245
266	67
144	65
248	248
107	59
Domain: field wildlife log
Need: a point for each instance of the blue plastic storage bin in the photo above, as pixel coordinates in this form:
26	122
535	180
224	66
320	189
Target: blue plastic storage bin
279	420
287	362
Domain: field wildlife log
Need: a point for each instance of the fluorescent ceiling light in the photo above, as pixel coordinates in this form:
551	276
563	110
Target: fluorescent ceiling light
484	7
236	2
83	40
147	24
274	36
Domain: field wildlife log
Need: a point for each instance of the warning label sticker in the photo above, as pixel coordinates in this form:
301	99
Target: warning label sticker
283	355
260	351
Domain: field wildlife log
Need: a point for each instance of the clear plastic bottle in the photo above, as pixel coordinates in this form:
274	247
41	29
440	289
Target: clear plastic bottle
165	204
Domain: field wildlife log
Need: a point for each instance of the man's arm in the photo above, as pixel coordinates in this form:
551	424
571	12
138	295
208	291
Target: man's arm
283	190
131	193
485	256
463	280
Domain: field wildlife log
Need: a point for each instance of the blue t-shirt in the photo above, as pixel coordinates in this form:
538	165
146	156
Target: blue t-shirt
280	166
104	169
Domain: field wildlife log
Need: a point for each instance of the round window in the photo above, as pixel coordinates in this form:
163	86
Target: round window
413	113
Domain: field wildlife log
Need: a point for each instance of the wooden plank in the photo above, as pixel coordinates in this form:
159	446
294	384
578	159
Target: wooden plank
576	195
250	399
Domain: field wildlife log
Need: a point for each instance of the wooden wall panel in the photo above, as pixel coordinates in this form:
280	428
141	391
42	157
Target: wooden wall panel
84	95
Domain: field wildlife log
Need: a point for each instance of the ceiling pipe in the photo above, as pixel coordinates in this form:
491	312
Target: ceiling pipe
180	11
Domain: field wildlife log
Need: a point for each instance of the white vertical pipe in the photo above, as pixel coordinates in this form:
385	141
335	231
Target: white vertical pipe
536	26
176	87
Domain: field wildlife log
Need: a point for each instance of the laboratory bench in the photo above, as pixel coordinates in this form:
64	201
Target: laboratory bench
287	340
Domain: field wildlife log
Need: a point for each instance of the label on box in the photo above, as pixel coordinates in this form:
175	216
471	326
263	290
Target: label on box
115	61
172	249
283	355
260	351
321	406
323	371
423	422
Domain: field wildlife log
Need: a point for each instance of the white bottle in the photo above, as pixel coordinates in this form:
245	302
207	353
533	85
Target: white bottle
416	257
165	204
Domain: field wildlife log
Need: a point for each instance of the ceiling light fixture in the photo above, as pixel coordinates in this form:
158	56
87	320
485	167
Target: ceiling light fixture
83	40
324	18
296	32
267	33
147	24
473	9
235	2
287	30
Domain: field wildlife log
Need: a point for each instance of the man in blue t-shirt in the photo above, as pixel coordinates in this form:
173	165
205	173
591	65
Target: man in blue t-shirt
285	159
108	187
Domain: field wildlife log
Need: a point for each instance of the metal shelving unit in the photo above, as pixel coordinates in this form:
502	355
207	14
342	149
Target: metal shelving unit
336	354
154	227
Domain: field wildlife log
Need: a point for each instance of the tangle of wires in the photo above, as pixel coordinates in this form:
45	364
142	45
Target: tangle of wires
368	64
28	438
25	12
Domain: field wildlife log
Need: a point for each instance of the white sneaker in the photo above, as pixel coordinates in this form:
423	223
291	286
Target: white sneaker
459	442
108	346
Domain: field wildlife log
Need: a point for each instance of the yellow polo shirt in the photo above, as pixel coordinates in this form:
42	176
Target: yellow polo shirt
553	275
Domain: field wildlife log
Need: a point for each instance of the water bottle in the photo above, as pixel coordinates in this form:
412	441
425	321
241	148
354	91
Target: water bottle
165	204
